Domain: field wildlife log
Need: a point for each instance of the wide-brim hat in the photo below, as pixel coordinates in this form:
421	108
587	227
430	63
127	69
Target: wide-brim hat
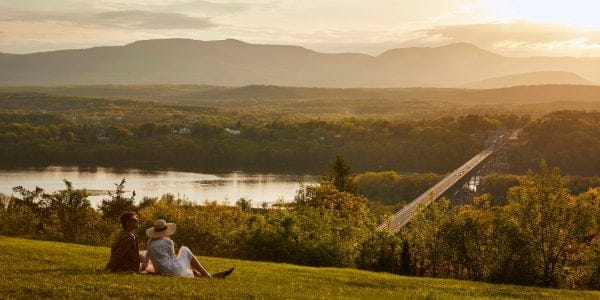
161	229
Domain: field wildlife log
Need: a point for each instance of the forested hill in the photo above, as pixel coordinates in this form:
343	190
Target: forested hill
429	137
235	63
214	95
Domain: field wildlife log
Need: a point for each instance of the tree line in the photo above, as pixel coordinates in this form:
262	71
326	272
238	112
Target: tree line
280	145
38	129
567	139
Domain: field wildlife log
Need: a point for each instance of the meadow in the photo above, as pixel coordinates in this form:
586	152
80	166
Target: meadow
43	269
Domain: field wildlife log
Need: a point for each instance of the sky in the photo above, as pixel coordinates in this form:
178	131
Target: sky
507	27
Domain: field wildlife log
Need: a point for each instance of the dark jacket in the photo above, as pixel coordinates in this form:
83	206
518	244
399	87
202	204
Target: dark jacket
124	253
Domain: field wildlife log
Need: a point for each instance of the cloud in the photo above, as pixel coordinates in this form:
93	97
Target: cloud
493	32
213	7
132	19
27	31
149	20
519	38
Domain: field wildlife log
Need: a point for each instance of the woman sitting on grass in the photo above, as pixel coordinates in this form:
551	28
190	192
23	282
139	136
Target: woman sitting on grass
161	252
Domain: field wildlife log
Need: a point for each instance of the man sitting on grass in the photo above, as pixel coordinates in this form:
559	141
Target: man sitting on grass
124	253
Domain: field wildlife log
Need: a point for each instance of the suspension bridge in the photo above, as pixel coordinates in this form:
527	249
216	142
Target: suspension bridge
456	180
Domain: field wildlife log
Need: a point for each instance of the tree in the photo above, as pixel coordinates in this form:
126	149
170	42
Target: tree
425	234
34	202
406	265
73	217
112	208
326	196
146	130
382	252
550	218
244	204
342	221
340	174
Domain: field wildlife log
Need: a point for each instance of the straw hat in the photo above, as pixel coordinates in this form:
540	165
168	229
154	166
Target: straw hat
161	229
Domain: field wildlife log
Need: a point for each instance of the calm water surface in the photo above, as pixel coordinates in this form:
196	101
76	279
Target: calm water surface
196	187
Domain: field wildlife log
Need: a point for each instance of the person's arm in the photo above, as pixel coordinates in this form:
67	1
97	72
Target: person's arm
146	258
145	262
172	248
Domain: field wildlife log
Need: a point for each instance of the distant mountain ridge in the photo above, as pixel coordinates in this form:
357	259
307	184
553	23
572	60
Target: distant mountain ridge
533	78
236	63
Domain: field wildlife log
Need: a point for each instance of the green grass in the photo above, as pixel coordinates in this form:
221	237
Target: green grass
42	269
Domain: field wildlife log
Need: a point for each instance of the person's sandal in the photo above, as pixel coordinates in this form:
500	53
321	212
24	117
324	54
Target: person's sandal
223	274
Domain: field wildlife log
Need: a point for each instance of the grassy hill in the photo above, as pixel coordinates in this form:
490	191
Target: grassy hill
43	269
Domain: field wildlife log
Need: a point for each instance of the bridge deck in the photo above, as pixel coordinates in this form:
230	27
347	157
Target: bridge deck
403	216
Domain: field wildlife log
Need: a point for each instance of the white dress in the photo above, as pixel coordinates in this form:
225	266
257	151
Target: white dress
162	254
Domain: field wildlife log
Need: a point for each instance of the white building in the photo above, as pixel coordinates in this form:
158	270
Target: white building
233	131
184	131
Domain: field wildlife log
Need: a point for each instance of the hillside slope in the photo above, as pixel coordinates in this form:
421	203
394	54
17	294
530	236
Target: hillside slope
62	270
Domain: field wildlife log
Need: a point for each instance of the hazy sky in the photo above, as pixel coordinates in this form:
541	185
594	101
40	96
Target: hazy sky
509	27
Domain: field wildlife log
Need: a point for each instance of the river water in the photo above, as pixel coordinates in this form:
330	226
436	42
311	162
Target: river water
195	187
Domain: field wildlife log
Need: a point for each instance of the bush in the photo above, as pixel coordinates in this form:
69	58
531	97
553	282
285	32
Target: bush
18	219
206	230
73	218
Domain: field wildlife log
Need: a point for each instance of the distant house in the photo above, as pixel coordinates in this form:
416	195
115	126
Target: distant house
101	136
233	131
182	131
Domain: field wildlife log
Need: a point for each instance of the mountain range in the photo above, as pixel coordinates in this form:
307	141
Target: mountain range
236	63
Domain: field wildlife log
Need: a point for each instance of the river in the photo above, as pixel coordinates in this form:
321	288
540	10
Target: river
195	187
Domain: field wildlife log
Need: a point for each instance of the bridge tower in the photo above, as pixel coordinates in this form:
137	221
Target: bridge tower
473	183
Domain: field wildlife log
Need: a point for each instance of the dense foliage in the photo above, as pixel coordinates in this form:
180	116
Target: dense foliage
134	134
567	139
38	129
542	234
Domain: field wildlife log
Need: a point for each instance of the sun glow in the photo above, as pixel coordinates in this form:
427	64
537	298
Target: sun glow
582	14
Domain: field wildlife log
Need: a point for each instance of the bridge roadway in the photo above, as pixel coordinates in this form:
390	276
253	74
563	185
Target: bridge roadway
403	216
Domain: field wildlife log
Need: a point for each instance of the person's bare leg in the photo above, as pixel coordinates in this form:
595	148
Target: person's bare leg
198	268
